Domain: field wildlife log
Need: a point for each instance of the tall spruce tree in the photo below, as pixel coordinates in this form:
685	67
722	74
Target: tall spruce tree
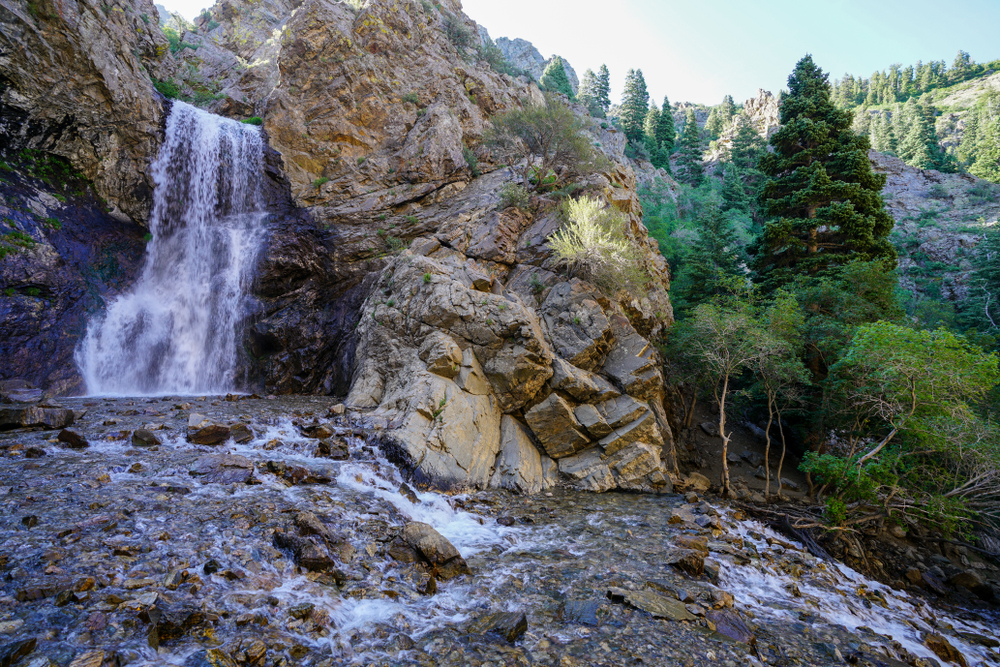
585	93
554	78
635	106
665	130
822	195
714	124
602	88
747	145
727	110
689	152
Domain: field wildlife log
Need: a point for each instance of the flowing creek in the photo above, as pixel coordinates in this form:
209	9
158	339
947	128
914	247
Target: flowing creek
99	545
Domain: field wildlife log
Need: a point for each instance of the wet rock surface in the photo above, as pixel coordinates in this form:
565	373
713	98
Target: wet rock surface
204	555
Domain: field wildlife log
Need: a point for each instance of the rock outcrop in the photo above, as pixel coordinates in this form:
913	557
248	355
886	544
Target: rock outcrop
523	55
76	82
940	219
400	280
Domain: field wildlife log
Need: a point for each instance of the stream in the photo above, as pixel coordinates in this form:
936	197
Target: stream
118	554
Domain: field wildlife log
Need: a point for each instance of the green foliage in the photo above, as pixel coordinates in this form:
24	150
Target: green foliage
493	56
602	88
471	161
169	89
587	94
15	242
821	193
411	98
458	33
544	137
554	78
513	194
53	223
396	245
427	278
690	169
594	243
253	120
320	182
634	107
937	191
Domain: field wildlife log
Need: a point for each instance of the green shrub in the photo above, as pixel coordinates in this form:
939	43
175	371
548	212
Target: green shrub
396	245
53	223
10	290
169	89
594	244
513	194
253	120
470	159
937	191
427	278
319	182
412	220
458	33
411	98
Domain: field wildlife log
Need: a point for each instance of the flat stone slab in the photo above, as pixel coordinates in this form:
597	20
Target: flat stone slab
654	604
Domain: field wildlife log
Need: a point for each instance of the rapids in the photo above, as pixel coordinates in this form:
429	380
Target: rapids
93	539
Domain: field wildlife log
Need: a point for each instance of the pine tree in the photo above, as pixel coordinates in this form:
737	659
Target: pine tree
727	110
665	130
602	88
919	146
713	258
635	106
554	78
734	192
587	94
714	124
657	155
747	145
824	200
689	152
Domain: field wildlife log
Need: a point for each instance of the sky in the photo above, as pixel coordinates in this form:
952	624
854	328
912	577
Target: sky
700	50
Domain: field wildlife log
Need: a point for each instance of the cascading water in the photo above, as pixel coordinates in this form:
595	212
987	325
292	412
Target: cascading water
177	331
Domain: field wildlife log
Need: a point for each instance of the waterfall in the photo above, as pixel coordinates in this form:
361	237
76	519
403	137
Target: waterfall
177	331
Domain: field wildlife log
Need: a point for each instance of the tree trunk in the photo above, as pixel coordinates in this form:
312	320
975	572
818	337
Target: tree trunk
767	450
781	461
725	439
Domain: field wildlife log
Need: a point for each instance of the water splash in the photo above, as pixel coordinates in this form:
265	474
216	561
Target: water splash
177	330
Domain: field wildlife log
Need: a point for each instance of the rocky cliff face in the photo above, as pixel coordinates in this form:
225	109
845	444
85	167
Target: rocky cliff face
940	220
394	275
763	112
483	362
522	54
76	83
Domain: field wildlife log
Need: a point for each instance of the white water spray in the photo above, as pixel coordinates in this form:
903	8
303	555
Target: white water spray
178	330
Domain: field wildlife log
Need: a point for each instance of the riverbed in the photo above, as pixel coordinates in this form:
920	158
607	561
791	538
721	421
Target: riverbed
141	554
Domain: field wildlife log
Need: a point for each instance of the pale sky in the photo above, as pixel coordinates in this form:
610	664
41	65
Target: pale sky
700	50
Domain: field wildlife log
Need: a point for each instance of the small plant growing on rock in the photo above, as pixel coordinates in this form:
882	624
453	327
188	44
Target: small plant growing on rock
396	245
411	98
513	195
253	120
319	182
544	137
594	244
458	33
937	191
412	220
537	286
470	159
427	278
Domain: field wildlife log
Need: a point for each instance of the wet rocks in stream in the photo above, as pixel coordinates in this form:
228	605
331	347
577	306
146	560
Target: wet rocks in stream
206	555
